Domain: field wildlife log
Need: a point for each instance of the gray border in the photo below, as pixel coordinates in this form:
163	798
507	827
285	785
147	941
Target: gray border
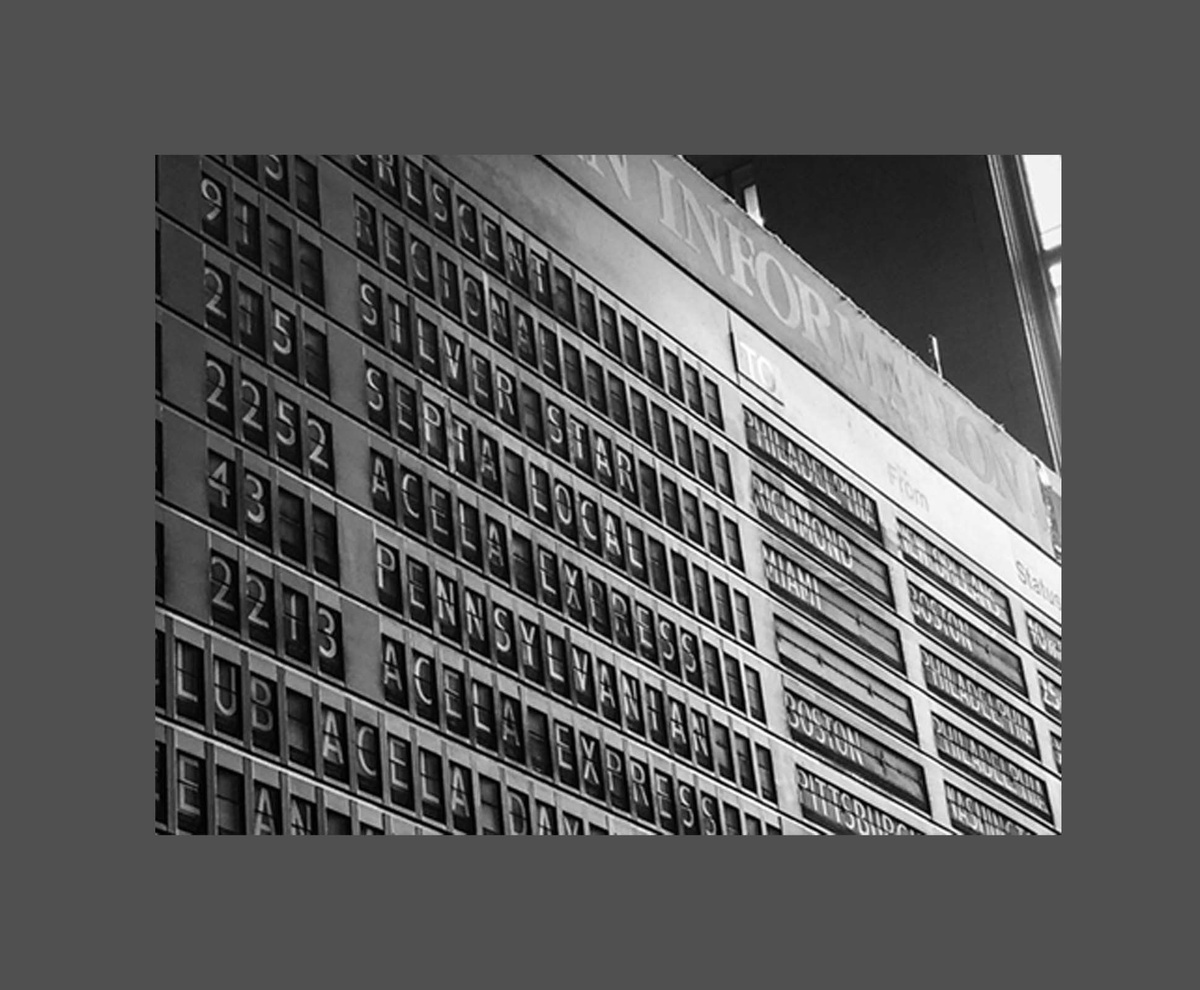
448	881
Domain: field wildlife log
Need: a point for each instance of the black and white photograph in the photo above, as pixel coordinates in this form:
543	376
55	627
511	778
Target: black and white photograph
563	495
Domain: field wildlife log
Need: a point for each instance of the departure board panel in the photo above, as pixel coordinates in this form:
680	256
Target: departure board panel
1045	642
960	580
469	524
976	818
